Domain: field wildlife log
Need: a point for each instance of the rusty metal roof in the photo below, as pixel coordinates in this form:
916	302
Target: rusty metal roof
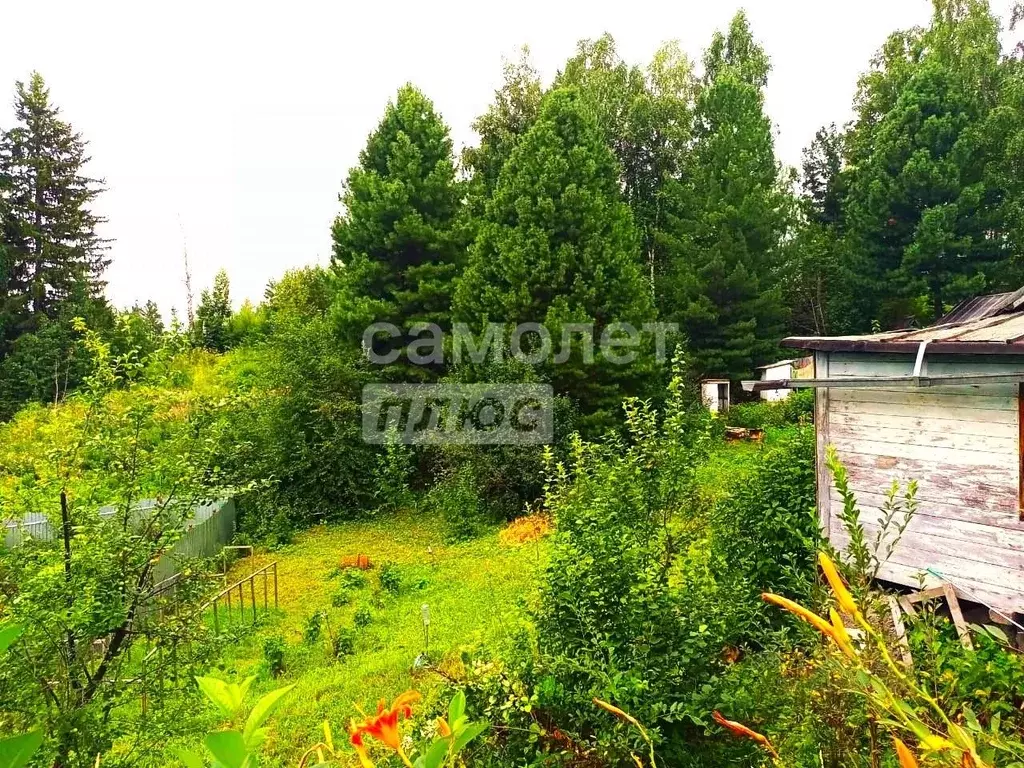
981	307
983	325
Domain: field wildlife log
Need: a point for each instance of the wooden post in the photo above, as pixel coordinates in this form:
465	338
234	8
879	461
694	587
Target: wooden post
275	585
266	602
216	621
901	632
241	602
958	616
252	595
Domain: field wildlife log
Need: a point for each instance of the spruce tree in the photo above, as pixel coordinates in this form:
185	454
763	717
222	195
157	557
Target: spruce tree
398	245
821	180
1010	167
728	212
924	208
557	245
55	254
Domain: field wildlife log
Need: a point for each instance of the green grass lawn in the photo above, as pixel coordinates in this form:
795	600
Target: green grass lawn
731	462
473	589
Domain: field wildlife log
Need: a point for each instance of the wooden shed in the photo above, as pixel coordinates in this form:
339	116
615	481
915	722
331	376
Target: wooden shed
942	405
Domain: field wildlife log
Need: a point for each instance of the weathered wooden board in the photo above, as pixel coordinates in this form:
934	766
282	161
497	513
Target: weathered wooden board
998	529
848	430
907	564
912	420
961	459
822	399
930	398
915	538
1002	598
857	365
985	489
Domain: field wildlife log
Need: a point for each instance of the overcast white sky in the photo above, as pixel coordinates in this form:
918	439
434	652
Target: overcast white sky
235	122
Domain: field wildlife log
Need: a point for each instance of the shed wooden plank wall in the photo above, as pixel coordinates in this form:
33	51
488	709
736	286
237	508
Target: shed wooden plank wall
961	443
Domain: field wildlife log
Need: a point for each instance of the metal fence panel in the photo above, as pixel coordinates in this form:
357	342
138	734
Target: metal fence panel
211	527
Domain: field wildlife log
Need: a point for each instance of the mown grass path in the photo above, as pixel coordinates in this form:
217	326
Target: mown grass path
475	591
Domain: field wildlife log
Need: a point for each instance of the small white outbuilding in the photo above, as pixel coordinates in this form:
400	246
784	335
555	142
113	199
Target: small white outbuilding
715	394
795	368
944	406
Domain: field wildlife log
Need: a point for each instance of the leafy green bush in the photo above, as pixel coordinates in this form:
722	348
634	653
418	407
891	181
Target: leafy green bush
798	408
390	578
363	617
636	606
273	655
294	418
768	526
343	644
313	627
809	715
395	467
341	597
352	578
457	501
478	485
988	679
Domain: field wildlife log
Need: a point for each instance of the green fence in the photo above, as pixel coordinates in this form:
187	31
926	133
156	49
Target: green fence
210	529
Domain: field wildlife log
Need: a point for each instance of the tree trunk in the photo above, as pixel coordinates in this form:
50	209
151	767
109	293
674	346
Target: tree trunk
65	518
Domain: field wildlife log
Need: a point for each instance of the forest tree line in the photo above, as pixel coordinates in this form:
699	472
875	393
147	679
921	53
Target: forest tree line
617	192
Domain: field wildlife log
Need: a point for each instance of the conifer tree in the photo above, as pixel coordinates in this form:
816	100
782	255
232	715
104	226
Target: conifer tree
558	246
55	254
212	315
398	245
729	212
924	209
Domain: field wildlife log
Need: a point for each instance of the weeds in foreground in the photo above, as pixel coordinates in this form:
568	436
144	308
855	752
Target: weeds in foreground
240	747
898	703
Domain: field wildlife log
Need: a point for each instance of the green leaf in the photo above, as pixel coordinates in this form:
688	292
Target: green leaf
16	751
227	748
226	696
434	758
189	758
243	689
467	735
457	707
264	708
8	634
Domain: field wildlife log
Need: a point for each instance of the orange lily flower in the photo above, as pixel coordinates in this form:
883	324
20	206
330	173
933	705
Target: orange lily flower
906	757
809	616
738	729
841	636
622	715
384	727
843	596
443	728
356	738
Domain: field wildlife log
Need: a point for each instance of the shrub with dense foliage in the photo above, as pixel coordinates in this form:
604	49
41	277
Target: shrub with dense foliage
798	408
